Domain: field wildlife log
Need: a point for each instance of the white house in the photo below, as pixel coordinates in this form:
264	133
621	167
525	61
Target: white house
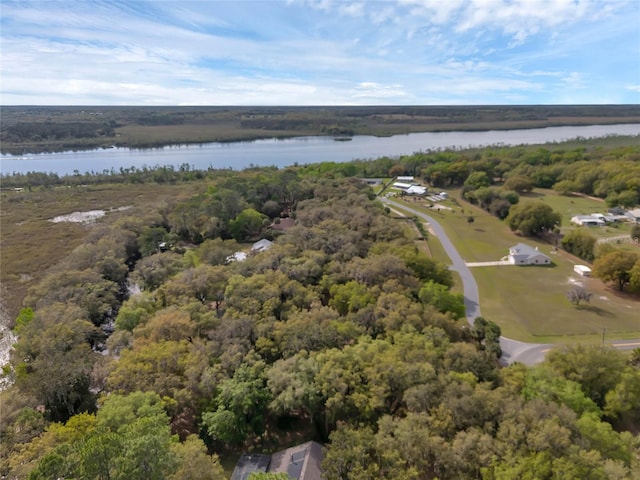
582	270
587	221
522	254
404	179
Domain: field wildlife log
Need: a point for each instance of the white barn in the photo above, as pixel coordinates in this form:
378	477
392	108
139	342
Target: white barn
587	221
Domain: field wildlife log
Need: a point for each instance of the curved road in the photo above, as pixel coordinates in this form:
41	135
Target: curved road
512	350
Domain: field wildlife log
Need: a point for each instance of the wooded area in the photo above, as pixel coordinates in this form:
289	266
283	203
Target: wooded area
31	129
148	353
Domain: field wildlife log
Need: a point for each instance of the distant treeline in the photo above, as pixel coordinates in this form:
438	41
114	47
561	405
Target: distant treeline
612	173
48	129
36	131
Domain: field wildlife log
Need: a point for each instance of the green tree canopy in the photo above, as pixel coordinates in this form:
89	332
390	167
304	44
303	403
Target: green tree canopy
532	218
615	267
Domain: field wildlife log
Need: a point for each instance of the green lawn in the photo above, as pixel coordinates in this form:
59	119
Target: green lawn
569	206
529	303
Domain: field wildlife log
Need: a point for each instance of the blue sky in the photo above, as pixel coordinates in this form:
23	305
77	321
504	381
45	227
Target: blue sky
326	52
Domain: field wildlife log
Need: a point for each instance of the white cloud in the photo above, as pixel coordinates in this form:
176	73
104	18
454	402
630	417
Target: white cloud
321	52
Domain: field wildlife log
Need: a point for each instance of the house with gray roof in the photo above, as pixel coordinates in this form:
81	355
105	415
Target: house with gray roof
261	245
302	462
522	254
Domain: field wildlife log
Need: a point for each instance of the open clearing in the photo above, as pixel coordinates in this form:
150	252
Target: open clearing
569	206
31	242
529	303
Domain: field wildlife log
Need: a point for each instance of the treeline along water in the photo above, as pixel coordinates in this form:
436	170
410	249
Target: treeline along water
300	150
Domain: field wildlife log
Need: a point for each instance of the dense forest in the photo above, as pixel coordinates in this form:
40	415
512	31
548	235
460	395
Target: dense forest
147	353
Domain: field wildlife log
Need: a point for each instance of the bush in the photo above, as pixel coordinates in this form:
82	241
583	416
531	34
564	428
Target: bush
580	243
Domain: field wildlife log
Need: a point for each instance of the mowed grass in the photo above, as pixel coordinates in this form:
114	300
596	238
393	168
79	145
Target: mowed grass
570	206
529	303
485	239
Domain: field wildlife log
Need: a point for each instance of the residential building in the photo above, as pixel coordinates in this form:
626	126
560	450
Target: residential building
302	462
522	254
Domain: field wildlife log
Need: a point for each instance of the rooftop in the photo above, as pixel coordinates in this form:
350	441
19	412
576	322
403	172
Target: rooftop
524	249
301	462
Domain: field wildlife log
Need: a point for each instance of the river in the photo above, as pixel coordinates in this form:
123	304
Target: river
300	150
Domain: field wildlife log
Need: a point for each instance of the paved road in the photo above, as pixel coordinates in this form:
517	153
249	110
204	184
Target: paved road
512	350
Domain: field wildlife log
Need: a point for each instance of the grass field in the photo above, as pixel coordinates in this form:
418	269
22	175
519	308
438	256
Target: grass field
570	206
30	243
529	303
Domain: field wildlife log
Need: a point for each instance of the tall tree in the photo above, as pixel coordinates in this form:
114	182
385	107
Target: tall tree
615	267
532	218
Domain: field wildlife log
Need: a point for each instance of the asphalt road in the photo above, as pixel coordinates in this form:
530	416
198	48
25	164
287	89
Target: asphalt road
512	350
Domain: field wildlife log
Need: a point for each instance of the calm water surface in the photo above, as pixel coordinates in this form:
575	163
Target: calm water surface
299	150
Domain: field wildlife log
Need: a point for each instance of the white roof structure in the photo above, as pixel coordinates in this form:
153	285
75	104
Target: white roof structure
582	270
237	257
588	220
262	245
522	254
404	179
401	185
416	190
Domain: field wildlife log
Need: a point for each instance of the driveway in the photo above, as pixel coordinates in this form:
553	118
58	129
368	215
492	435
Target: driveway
512	350
498	263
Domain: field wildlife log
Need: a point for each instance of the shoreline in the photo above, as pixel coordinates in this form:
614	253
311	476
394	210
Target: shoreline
22	149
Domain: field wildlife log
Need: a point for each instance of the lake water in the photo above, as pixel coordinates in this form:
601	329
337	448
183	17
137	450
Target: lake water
301	150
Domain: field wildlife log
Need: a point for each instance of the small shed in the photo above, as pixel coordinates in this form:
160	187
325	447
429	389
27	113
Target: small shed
582	270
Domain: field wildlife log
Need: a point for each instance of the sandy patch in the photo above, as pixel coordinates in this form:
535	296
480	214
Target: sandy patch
86	217
7	338
575	281
80	217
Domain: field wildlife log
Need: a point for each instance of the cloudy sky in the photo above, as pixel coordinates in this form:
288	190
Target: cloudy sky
326	52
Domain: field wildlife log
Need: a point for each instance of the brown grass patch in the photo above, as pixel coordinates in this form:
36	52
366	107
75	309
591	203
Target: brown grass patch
30	244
